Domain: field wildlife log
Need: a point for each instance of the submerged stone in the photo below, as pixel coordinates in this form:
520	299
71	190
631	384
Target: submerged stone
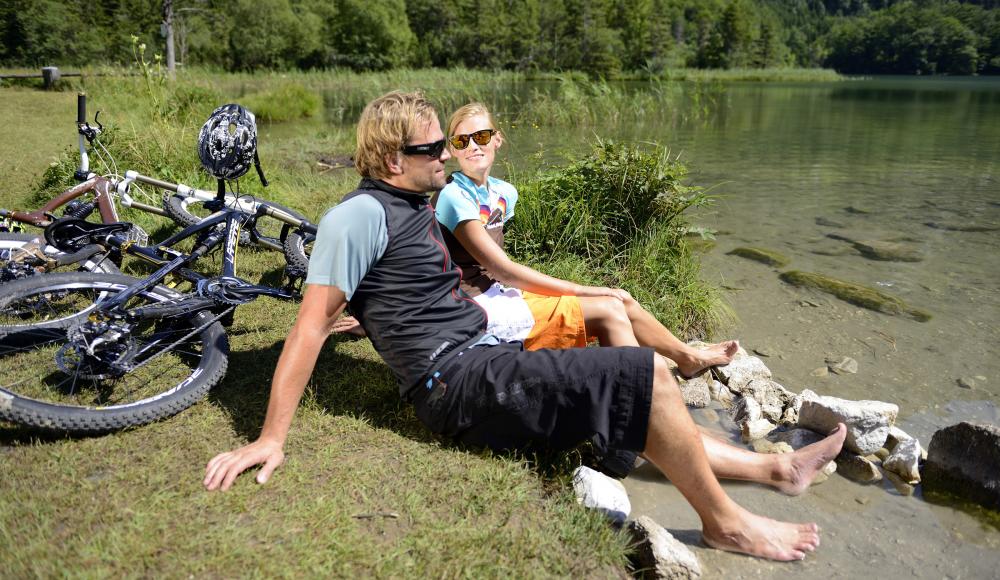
769	257
888	251
822	221
855	294
857	468
964	460
963	226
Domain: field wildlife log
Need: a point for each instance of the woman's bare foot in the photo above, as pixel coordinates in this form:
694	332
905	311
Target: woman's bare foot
798	469
762	537
348	325
699	359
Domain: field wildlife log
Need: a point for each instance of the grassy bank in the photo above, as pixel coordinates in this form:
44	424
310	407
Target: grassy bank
366	490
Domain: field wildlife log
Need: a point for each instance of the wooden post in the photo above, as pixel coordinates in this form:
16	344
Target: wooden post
50	75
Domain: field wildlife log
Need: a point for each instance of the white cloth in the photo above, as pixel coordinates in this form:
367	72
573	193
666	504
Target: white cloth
509	317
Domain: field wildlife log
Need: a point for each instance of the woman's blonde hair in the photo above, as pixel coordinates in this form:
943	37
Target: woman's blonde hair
386	124
467	111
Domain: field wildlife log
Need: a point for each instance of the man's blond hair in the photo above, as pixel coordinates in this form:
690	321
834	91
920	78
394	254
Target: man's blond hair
386	124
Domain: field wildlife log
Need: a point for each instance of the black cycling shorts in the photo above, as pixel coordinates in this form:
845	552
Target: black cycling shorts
503	397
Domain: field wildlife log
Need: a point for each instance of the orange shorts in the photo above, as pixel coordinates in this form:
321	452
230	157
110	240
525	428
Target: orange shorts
559	322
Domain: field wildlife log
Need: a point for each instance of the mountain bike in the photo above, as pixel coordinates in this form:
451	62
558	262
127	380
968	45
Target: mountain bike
23	253
37	257
87	352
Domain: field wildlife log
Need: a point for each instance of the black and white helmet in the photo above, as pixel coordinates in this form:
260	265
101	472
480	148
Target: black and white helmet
227	144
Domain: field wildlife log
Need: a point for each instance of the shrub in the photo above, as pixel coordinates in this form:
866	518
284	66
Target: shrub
617	218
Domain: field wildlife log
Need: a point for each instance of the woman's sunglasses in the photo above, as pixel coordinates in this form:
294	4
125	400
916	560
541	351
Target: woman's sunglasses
480	137
432	150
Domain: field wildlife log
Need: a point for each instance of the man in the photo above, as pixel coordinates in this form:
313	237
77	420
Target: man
381	249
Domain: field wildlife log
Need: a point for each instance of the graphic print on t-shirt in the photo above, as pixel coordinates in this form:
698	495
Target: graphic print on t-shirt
493	219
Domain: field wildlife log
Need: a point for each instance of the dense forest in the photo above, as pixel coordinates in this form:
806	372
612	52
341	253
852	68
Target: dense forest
600	37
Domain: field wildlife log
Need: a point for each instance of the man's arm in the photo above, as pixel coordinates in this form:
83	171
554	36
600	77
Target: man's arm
321	305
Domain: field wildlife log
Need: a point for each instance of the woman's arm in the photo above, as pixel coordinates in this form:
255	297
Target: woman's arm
473	237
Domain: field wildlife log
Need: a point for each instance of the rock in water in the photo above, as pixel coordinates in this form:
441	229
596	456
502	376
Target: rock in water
660	555
904	460
857	468
964	459
867	422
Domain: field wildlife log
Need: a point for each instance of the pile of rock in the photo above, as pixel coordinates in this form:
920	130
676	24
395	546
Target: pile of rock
963	460
774	419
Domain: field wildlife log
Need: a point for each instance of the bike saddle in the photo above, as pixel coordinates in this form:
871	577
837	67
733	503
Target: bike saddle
70	234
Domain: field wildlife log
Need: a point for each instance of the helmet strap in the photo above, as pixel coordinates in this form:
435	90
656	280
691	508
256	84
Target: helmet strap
260	172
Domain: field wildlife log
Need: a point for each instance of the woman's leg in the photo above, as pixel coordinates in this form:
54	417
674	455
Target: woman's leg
617	323
607	320
649	332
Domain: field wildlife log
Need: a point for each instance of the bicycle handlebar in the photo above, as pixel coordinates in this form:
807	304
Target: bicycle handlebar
81	108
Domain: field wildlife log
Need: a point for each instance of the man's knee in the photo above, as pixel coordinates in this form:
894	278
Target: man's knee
664	384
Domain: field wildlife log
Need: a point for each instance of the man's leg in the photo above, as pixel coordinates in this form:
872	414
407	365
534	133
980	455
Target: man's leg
790	473
674	445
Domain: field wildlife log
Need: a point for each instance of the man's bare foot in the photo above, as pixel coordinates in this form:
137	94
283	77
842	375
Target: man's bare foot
763	537
348	325
798	469
699	359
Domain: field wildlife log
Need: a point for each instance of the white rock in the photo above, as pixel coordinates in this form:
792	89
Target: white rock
752	430
905	460
696	390
867	422
745	410
659	555
740	371
598	491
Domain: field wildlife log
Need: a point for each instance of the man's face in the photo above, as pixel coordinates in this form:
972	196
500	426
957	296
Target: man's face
420	171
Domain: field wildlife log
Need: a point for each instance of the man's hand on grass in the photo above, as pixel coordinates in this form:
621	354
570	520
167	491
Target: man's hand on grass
223	468
348	325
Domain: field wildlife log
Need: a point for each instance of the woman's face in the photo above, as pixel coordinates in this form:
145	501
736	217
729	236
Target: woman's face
476	159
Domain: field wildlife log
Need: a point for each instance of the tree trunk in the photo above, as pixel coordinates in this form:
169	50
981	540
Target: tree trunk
168	25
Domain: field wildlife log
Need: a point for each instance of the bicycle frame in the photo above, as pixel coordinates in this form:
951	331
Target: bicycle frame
91	182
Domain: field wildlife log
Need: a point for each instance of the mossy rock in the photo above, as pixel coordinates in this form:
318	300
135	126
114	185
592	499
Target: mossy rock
700	245
760	255
855	294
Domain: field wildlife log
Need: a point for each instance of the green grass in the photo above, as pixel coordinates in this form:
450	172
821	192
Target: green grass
366	489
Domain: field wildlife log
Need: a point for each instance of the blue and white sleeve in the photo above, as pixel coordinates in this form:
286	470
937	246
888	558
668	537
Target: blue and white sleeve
455	205
352	237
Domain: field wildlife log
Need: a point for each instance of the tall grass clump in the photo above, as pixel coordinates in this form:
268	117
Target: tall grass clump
617	217
285	103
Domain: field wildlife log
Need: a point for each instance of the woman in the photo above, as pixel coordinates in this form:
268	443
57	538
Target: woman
472	211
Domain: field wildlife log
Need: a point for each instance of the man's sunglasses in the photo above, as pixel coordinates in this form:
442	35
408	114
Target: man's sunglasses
432	150
480	137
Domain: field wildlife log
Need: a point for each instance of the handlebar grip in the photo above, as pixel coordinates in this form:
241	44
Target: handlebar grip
81	108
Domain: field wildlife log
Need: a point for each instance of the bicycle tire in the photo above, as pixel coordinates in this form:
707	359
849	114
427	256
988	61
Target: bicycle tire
43	389
180	209
11	242
297	248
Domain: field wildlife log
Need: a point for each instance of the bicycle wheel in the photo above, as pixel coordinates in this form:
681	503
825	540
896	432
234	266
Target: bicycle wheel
188	211
19	258
297	248
61	374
